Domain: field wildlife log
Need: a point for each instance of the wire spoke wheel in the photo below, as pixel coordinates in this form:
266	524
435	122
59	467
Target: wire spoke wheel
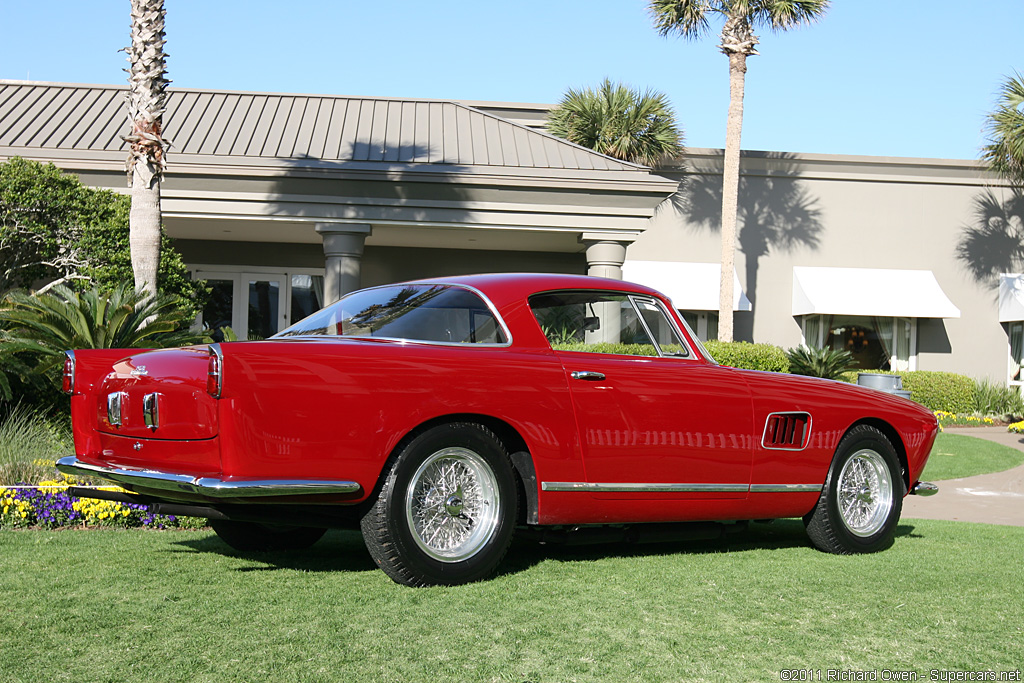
865	493
452	504
447	509
862	498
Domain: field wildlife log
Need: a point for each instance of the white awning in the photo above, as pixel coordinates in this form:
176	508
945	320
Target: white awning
1011	297
690	286
870	291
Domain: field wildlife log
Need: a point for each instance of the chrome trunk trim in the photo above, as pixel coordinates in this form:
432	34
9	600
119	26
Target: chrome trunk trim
211	487
151	410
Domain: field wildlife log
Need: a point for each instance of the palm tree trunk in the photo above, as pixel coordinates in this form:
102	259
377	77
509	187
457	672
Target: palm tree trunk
146	104
731	191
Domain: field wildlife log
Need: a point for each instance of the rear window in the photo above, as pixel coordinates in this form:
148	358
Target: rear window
445	314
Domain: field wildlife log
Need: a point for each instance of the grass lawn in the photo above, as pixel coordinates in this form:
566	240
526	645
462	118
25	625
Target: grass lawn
117	605
957	455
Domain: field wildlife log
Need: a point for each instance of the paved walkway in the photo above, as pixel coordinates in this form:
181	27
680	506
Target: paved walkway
990	498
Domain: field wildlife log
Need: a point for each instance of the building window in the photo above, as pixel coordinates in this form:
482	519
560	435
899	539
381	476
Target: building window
876	342
1016	353
258	302
703	323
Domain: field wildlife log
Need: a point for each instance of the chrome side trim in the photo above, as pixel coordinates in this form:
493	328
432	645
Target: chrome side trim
211	487
641	488
785	488
924	488
594	487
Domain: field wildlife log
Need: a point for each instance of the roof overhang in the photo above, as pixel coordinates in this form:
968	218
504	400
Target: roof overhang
1011	297
690	286
870	292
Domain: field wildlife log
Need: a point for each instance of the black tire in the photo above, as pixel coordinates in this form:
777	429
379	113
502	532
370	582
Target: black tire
253	537
862	499
446	509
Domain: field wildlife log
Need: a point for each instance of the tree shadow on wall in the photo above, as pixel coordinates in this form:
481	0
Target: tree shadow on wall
775	212
994	243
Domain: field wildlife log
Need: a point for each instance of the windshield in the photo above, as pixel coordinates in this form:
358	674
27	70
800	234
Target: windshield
432	313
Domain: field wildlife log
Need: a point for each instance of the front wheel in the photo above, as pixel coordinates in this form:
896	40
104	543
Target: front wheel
862	499
446	510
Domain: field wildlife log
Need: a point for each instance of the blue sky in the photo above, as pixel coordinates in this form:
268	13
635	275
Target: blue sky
902	78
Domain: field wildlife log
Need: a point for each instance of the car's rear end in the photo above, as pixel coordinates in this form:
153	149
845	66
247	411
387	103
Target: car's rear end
150	421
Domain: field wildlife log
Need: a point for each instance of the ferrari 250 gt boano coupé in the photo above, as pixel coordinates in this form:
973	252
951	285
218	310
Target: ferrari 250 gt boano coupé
442	416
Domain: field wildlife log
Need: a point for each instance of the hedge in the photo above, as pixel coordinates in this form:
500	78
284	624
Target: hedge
946	391
749	356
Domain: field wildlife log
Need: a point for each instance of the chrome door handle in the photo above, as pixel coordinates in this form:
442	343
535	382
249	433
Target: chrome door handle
587	375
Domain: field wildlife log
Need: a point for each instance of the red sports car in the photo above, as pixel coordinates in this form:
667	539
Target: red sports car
441	416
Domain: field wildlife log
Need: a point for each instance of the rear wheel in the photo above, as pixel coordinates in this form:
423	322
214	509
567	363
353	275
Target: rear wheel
253	537
862	499
446	510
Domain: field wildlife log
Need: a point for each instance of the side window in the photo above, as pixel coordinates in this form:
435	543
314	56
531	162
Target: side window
604	322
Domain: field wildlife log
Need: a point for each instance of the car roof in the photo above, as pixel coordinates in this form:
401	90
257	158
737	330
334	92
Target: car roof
503	288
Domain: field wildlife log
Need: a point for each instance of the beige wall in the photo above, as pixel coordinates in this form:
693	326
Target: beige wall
846	212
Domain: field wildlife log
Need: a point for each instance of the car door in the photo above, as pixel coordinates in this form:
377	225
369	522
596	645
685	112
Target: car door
654	421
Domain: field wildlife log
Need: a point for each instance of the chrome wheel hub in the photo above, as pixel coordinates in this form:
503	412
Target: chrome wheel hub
865	493
452	504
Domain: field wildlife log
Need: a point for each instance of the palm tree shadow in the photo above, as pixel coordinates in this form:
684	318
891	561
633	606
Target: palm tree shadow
994	243
775	212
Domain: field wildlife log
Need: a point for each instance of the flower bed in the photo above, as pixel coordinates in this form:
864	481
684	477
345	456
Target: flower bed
961	420
48	505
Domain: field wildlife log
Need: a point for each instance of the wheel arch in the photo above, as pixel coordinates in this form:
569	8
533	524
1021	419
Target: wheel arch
518	453
894	438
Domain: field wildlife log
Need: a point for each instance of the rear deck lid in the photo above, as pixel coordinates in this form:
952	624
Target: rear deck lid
158	395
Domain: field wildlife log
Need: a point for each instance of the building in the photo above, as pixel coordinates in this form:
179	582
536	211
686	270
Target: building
284	201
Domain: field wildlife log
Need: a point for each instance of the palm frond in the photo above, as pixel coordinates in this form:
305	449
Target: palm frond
617	121
1004	129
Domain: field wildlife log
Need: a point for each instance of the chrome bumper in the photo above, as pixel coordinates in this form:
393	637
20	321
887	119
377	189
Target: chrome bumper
211	487
924	488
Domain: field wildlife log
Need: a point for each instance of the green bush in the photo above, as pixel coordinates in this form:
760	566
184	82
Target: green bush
991	398
749	356
607	347
945	391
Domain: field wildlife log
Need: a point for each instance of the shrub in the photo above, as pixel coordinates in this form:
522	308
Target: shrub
935	390
997	399
607	347
819	362
749	356
29	444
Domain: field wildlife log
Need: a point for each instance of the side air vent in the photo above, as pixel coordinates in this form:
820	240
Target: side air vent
787	431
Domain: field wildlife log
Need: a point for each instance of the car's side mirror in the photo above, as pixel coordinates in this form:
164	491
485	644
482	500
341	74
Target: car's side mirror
591	323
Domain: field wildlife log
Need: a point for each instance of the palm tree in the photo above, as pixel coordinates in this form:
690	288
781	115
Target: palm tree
619	122
146	160
36	328
1005	129
692	19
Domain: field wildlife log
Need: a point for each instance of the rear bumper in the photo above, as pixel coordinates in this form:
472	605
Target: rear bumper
210	487
924	488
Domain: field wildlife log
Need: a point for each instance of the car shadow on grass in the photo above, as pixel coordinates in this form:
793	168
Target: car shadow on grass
344	551
337	551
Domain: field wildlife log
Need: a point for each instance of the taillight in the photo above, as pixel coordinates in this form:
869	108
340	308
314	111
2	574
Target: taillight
215	371
68	381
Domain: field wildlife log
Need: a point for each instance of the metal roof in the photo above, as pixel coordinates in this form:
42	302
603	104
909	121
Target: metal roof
206	123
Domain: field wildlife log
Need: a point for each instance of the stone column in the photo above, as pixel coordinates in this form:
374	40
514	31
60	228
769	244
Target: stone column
343	252
606	253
